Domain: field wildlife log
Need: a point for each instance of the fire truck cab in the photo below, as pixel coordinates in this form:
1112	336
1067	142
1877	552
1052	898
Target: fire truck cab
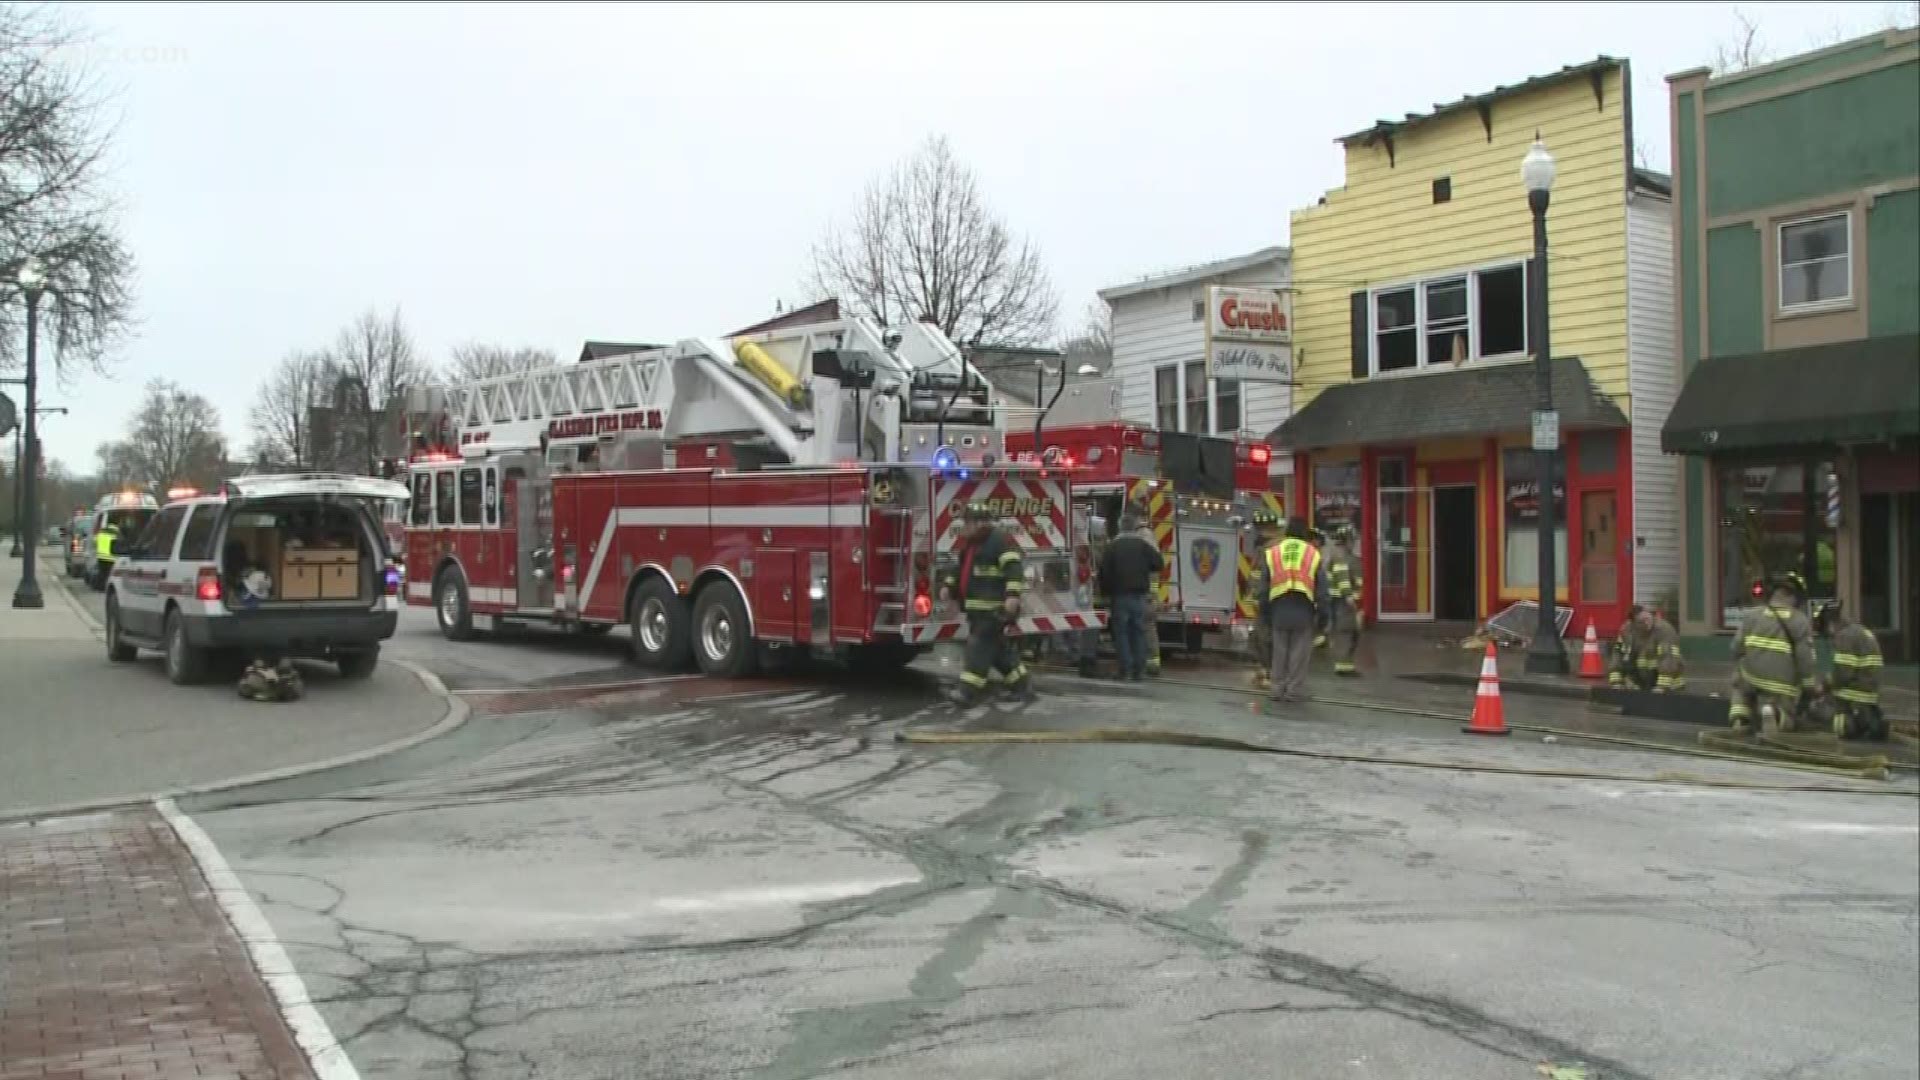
732	501
1197	494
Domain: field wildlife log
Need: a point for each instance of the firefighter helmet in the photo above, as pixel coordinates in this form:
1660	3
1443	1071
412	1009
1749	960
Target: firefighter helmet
1266	518
979	511
1791	582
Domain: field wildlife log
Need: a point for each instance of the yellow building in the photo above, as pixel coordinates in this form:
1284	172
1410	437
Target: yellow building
1414	344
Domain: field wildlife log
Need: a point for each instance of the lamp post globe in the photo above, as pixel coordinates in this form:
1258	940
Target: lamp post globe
1545	653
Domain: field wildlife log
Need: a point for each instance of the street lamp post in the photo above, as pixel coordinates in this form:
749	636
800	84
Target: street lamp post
1545	654
32	277
19	493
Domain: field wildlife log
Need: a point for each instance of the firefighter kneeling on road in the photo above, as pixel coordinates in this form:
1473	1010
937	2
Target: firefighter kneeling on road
1647	654
1344	617
1854	690
1773	660
988	583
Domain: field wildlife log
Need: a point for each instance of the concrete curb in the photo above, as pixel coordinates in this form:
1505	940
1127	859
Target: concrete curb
73	602
1507	686
457	714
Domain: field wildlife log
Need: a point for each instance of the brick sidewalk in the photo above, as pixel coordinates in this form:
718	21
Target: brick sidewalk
116	963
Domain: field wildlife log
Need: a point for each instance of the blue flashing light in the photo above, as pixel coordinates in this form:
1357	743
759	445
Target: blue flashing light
944	459
963	474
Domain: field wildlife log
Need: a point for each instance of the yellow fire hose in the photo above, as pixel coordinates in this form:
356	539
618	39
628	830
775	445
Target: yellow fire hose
1838	766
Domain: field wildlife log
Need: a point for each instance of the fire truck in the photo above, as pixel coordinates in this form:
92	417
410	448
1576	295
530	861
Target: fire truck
734	502
1198	494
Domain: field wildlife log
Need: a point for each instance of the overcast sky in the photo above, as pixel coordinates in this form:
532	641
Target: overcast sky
546	173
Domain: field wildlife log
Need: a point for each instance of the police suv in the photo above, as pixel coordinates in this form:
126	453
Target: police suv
293	565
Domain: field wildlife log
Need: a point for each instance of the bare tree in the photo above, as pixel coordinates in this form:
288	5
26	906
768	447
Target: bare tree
1742	50
282	417
174	439
372	364
923	244
479	361
1092	343
53	203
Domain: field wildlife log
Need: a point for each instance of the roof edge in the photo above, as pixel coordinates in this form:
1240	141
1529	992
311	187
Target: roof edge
1382	128
1275	253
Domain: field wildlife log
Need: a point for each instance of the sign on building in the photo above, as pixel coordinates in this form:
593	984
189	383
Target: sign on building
1249	334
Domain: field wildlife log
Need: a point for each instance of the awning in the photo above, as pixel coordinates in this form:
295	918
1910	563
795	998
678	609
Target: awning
1471	400
1859	391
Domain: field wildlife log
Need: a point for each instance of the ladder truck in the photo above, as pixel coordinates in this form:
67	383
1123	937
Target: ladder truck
734	502
1198	494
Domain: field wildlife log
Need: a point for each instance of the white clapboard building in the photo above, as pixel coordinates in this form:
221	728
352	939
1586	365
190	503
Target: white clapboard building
1160	353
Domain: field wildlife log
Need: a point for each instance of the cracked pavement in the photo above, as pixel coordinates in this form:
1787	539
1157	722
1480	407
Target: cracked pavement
753	880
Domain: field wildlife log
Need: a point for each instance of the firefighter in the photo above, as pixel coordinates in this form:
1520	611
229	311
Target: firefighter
1293	587
1319	540
271	680
1854	688
1646	654
103	556
1267	533
988	582
1344	616
1158	596
1773	660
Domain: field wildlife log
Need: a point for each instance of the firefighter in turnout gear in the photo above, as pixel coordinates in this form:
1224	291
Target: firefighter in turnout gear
1158	595
1343	605
988	583
1773	660
1319	540
1646	654
1266	526
1853	691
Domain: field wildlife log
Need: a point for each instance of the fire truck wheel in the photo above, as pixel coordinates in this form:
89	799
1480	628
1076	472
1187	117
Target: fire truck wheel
450	606
720	642
662	634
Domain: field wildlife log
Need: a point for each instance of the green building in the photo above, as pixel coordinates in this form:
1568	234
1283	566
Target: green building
1796	202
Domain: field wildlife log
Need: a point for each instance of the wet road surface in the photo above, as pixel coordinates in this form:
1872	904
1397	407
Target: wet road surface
685	878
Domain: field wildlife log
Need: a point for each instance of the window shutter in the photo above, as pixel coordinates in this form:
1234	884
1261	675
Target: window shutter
1360	334
1533	316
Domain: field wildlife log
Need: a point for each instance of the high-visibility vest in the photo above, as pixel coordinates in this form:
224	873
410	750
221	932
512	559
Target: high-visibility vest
103	544
1292	566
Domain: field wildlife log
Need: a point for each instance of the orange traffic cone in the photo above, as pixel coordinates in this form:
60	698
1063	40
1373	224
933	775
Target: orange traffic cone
1488	716
1591	666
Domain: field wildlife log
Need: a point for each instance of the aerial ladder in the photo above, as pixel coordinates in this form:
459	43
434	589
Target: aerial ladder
820	394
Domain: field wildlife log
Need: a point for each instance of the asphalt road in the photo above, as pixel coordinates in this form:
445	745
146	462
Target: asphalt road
76	728
683	879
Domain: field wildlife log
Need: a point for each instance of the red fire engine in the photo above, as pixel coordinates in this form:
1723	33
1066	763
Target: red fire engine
1198	493
800	488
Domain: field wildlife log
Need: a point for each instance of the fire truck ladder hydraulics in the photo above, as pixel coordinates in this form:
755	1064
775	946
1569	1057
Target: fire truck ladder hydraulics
820	394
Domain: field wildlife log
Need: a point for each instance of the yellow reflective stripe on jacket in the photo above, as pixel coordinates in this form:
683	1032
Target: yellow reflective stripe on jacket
1341	581
1857	697
1010	568
1855	660
1769	644
1768	686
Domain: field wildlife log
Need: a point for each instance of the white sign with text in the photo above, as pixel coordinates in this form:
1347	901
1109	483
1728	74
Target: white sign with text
1249	334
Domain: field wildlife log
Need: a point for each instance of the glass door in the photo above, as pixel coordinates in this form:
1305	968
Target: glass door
1403	551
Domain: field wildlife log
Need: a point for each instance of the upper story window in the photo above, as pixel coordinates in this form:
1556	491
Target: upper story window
1816	261
1473	315
1184	399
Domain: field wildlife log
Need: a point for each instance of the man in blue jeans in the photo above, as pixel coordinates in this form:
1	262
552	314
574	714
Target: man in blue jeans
1127	572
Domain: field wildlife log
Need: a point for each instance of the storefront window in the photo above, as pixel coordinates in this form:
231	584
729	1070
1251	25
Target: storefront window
1336	495
1520	561
1772	520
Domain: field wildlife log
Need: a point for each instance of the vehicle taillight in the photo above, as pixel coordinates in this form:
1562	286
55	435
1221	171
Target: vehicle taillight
207	585
393	580
1261	454
922	605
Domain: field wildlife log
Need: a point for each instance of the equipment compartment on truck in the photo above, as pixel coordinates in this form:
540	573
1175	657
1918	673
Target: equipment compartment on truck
312	551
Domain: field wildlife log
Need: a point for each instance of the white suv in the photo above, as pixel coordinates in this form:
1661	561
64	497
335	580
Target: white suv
286	565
